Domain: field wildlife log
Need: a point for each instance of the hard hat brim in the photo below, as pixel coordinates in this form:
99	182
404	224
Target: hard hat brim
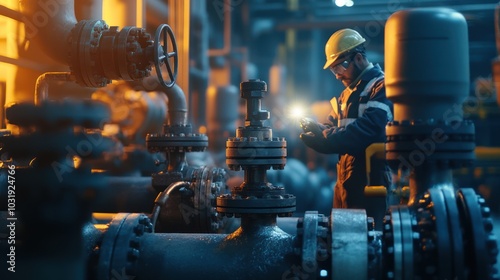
328	63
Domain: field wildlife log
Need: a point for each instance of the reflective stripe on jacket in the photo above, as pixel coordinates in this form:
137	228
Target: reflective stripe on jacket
363	113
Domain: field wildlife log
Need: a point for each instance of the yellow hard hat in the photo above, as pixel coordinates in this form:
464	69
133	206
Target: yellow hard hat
341	42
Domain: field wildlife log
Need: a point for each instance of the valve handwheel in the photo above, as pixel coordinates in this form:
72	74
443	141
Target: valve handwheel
163	56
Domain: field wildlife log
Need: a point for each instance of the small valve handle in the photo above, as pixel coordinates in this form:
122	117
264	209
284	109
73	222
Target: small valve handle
163	56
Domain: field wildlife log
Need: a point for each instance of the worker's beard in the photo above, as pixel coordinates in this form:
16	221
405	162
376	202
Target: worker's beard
356	71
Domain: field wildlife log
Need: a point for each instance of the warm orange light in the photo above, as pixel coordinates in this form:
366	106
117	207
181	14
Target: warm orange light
202	129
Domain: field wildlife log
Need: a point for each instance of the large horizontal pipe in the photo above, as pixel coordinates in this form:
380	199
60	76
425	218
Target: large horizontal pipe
122	194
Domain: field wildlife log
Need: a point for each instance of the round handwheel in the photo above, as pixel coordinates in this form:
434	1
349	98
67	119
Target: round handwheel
163	56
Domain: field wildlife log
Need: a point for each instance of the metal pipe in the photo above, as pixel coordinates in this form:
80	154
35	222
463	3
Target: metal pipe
15	15
48	24
125	194
422	178
88	9
157	12
42	85
25	63
226	49
162	198
262	254
177	105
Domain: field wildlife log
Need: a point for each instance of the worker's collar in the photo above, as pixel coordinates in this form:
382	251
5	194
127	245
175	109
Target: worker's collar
355	82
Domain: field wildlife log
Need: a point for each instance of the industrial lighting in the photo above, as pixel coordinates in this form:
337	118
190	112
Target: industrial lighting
342	3
297	111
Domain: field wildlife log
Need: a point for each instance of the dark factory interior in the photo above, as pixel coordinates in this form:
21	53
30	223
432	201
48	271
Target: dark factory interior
191	139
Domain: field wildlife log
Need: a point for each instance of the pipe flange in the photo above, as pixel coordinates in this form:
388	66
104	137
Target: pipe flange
375	260
177	138
59	114
442	216
283	205
428	243
84	46
121	244
435	244
481	245
250	151
210	183
312	243
192	208
176	143
400	241
128	46
393	249
416	142
348	248
456	242
410	244
137	42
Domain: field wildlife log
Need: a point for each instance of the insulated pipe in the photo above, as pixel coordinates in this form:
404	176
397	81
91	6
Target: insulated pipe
48	25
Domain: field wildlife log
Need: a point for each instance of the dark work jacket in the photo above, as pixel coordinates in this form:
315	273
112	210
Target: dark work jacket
359	120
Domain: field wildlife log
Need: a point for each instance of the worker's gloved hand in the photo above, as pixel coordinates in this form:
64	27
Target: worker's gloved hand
310	125
313	136
316	142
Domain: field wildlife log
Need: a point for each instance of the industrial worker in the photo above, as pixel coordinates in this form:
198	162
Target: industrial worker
358	119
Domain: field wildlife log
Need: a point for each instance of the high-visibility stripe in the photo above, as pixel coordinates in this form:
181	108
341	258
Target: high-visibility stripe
370	85
361	109
380	105
346	122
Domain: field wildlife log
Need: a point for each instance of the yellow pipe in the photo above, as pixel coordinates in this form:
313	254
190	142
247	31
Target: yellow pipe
375	149
487	153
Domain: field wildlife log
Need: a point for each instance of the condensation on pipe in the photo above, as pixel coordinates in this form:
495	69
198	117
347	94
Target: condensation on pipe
48	25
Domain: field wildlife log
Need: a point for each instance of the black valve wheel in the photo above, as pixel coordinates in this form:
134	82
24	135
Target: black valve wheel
163	56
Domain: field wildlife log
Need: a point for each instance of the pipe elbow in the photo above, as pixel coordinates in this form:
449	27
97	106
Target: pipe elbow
48	25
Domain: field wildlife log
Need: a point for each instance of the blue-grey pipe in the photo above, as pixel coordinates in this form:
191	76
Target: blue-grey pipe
126	194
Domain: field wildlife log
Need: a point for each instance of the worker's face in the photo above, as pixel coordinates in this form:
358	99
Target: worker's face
347	70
